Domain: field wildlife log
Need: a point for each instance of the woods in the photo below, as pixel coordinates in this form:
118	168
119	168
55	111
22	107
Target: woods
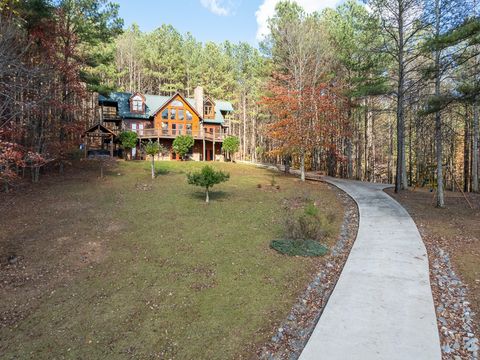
385	91
50	55
402	110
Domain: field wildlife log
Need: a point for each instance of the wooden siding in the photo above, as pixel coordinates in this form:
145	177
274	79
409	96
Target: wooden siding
177	123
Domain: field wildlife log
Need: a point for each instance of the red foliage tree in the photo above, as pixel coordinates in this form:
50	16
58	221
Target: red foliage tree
307	119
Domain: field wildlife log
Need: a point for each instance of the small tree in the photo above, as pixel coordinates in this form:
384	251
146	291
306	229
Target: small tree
182	144
207	177
152	149
230	145
129	141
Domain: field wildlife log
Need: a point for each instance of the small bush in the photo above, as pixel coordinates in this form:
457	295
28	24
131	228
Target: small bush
304	228
299	247
308	224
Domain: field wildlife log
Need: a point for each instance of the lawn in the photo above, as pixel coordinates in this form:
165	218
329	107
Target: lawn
127	267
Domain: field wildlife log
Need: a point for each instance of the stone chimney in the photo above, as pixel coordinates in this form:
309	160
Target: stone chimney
198	97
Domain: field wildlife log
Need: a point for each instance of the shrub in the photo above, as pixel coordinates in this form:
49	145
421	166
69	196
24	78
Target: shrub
304	230
309	224
299	248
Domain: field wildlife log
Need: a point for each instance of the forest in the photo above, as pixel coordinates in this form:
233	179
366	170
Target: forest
382	91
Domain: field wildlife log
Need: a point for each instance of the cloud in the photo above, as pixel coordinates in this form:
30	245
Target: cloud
267	9
217	7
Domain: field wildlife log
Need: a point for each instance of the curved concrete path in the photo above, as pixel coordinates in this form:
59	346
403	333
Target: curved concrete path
382	305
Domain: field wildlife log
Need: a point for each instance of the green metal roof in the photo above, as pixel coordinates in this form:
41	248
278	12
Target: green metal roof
153	103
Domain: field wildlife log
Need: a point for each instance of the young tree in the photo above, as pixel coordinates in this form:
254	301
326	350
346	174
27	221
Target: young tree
152	149
206	178
230	145
129	141
182	144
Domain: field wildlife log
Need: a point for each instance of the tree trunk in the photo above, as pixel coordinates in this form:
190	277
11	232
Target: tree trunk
400	113
466	153
207	197
302	165
153	167
438	117
475	149
244	147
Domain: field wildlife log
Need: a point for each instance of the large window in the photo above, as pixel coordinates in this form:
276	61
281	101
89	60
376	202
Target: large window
189	115
173	114
165	114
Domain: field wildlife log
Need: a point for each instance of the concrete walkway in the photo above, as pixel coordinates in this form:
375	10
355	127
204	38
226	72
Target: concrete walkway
382	305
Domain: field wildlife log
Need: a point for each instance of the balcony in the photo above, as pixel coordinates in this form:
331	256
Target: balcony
109	114
171	134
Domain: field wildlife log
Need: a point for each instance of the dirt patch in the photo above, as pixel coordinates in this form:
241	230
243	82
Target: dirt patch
43	246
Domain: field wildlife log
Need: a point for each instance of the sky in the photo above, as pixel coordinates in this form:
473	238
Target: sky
210	20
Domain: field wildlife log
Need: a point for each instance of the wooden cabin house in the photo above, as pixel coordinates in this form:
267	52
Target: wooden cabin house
162	118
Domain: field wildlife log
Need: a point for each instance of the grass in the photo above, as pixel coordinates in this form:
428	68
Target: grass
127	267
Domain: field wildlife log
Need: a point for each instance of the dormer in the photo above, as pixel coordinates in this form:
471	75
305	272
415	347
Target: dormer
137	103
208	108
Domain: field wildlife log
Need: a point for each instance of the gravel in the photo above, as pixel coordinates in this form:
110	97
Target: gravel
454	316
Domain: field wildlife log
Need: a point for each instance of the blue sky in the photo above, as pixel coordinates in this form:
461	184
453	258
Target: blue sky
209	20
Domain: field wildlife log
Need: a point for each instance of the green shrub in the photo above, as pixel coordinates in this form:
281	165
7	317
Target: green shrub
304	229
306	224
299	247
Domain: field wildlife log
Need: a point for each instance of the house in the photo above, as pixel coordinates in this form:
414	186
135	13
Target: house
162	119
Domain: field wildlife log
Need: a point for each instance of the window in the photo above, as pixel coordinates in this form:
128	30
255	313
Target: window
189	129
165	114
173	114
137	104
208	110
177	103
181	114
189	116
164	125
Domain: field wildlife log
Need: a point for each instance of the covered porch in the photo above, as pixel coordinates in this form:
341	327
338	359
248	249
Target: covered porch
100	138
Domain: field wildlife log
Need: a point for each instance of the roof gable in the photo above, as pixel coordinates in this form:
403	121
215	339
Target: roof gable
184	100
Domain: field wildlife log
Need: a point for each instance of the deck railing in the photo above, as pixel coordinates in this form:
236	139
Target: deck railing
172	133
